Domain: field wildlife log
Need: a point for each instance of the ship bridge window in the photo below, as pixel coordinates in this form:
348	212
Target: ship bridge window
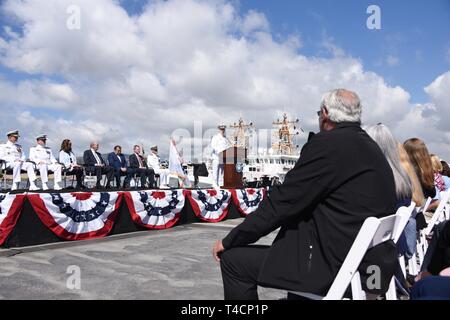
283	161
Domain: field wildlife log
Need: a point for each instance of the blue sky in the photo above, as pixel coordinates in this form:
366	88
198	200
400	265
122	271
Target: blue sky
415	33
57	78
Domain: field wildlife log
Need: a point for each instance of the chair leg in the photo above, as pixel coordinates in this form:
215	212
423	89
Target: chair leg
391	294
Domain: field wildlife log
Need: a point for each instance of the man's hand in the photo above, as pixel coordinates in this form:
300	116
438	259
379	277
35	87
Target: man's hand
218	248
123	169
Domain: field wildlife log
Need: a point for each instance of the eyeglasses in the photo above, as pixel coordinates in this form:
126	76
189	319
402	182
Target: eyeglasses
319	113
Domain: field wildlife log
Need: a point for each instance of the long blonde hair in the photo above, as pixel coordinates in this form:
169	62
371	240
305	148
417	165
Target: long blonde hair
421	161
417	195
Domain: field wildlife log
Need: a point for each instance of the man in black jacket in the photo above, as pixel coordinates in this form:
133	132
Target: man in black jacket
341	178
94	163
140	167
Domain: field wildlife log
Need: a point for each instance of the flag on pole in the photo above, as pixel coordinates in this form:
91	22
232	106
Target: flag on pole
175	164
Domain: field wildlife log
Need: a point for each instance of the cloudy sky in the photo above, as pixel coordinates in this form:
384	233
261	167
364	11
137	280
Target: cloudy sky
139	71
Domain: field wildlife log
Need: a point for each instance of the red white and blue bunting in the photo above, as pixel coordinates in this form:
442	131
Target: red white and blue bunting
10	209
155	209
77	216
210	205
248	200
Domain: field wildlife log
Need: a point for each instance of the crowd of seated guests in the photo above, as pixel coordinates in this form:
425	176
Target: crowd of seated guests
419	175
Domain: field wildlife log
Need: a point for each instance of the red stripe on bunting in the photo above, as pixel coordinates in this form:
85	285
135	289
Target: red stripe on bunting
47	219
198	212
137	219
13	215
236	200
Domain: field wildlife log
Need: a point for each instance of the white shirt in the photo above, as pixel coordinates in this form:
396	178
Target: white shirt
96	156
11	152
67	159
40	153
218	144
153	161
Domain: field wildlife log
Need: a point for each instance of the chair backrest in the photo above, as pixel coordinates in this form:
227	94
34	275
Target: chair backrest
445	195
426	205
403	215
374	231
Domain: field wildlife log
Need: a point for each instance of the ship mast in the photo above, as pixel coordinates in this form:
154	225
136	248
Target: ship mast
241	133
283	137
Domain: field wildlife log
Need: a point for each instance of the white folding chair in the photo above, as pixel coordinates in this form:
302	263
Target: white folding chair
374	231
439	214
415	263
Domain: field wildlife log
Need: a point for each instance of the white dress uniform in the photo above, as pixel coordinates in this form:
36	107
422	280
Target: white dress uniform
218	144
154	162
15	158
40	154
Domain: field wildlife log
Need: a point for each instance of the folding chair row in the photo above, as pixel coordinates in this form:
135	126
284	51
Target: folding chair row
373	232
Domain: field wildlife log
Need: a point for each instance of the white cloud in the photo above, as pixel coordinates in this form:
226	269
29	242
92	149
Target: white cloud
128	80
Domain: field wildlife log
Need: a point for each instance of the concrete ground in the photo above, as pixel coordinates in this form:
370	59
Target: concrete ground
168	264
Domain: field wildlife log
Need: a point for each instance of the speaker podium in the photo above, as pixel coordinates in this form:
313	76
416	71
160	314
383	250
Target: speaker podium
233	160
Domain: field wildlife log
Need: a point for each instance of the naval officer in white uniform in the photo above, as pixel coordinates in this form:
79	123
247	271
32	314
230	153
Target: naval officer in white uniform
14	157
219	143
44	159
154	162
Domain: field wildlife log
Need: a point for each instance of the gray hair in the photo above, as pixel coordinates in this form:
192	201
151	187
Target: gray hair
389	146
342	105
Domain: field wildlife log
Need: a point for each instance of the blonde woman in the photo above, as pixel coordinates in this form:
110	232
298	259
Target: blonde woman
417	195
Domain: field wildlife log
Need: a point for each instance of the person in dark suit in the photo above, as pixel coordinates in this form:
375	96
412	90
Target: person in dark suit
117	160
94	163
140	167
341	178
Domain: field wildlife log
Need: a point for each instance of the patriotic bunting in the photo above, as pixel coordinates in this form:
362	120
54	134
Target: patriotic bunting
210	205
10	209
77	216
155	209
248	200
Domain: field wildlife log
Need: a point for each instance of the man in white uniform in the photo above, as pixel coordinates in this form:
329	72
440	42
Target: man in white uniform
44	159
154	162
219	143
14	157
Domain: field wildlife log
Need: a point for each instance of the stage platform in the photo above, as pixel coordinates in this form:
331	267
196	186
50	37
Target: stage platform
33	218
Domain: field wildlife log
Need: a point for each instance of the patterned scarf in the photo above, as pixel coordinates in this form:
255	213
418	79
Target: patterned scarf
439	182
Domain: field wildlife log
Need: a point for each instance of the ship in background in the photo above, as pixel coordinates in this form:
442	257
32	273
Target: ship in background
265	164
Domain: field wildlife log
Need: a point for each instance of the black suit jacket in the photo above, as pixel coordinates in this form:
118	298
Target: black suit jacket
89	159
341	178
134	162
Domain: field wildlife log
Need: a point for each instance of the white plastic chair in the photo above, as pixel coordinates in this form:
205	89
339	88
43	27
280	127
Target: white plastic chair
374	231
439	214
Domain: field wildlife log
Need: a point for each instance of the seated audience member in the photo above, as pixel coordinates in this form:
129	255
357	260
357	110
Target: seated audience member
421	161
117	160
94	163
138	163
14	157
407	243
69	161
439	263
43	157
154	162
341	179
439	182
403	185
432	288
446	174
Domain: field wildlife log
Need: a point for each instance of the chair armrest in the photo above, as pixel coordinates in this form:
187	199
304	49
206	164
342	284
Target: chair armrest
33	163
